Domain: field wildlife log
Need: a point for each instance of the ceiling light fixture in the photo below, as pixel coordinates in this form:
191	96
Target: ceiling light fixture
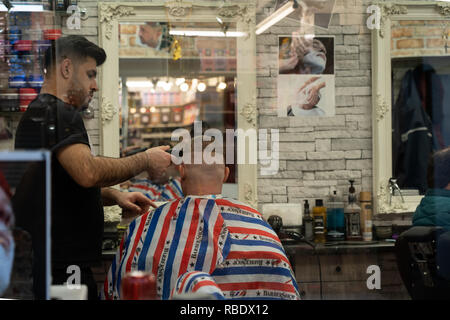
184	87
222	86
206	33
277	16
139	84
201	87
8	6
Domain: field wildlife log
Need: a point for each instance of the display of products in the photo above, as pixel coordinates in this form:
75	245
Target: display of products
308	223
26	96
335	219
22	47
177	115
365	199
352	216
9	100
165	115
320	222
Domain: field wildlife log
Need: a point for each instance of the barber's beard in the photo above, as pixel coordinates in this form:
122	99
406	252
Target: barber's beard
77	96
6	263
315	62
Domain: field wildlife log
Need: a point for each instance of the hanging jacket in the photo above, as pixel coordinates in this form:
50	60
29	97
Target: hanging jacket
412	142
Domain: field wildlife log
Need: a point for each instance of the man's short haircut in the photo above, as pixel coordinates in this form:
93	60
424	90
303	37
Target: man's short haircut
439	169
74	47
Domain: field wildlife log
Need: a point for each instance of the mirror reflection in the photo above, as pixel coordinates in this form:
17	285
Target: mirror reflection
172	75
420	100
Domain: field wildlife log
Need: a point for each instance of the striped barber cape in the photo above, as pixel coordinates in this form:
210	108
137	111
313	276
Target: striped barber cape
205	244
156	192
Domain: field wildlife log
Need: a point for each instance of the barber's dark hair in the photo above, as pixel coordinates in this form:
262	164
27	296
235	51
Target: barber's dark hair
73	47
439	169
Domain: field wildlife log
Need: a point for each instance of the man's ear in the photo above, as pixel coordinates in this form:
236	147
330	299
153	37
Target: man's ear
226	174
182	170
66	68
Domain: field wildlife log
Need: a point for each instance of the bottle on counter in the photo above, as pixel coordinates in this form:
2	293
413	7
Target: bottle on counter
320	222
308	223
352	214
365	200
335	218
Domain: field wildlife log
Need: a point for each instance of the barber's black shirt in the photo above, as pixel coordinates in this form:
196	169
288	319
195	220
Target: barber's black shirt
77	212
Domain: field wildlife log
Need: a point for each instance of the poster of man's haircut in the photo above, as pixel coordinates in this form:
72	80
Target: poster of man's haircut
306	81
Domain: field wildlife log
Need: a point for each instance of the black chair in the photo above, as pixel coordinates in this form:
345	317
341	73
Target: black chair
423	259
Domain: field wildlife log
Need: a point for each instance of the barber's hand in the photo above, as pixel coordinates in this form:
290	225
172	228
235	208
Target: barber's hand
159	161
133	203
300	45
289	63
308	95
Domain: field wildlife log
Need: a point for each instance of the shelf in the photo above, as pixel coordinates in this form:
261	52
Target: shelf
159	126
162	135
13	114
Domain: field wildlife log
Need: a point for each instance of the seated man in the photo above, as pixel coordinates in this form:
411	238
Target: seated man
434	208
166	188
204	244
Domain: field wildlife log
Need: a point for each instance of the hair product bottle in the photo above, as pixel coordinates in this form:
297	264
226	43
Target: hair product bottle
308	223
320	222
335	218
352	216
365	200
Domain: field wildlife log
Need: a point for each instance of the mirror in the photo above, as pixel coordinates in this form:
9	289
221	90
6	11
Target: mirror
411	73
172	63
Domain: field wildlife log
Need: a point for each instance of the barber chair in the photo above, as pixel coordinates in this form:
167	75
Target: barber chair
423	259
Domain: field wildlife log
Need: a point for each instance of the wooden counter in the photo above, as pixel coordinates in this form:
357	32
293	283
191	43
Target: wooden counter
344	271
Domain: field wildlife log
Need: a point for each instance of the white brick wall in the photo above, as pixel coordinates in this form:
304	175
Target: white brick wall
338	148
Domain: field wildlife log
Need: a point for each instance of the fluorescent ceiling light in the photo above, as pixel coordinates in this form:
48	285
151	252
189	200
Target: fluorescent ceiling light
23	8
139	84
206	33
275	17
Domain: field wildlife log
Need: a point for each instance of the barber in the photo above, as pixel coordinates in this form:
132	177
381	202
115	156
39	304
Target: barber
80	180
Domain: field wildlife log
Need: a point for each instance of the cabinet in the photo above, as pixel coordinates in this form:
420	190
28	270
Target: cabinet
344	271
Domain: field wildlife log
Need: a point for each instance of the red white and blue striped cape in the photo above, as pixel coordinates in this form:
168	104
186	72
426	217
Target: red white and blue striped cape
205	244
155	192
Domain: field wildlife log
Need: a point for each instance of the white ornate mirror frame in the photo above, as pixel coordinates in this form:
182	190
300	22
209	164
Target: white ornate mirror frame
381	96
243	14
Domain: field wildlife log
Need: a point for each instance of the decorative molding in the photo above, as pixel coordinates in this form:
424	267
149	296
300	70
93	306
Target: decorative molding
108	111
381	108
178	8
109	12
444	9
249	113
249	195
241	11
388	10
